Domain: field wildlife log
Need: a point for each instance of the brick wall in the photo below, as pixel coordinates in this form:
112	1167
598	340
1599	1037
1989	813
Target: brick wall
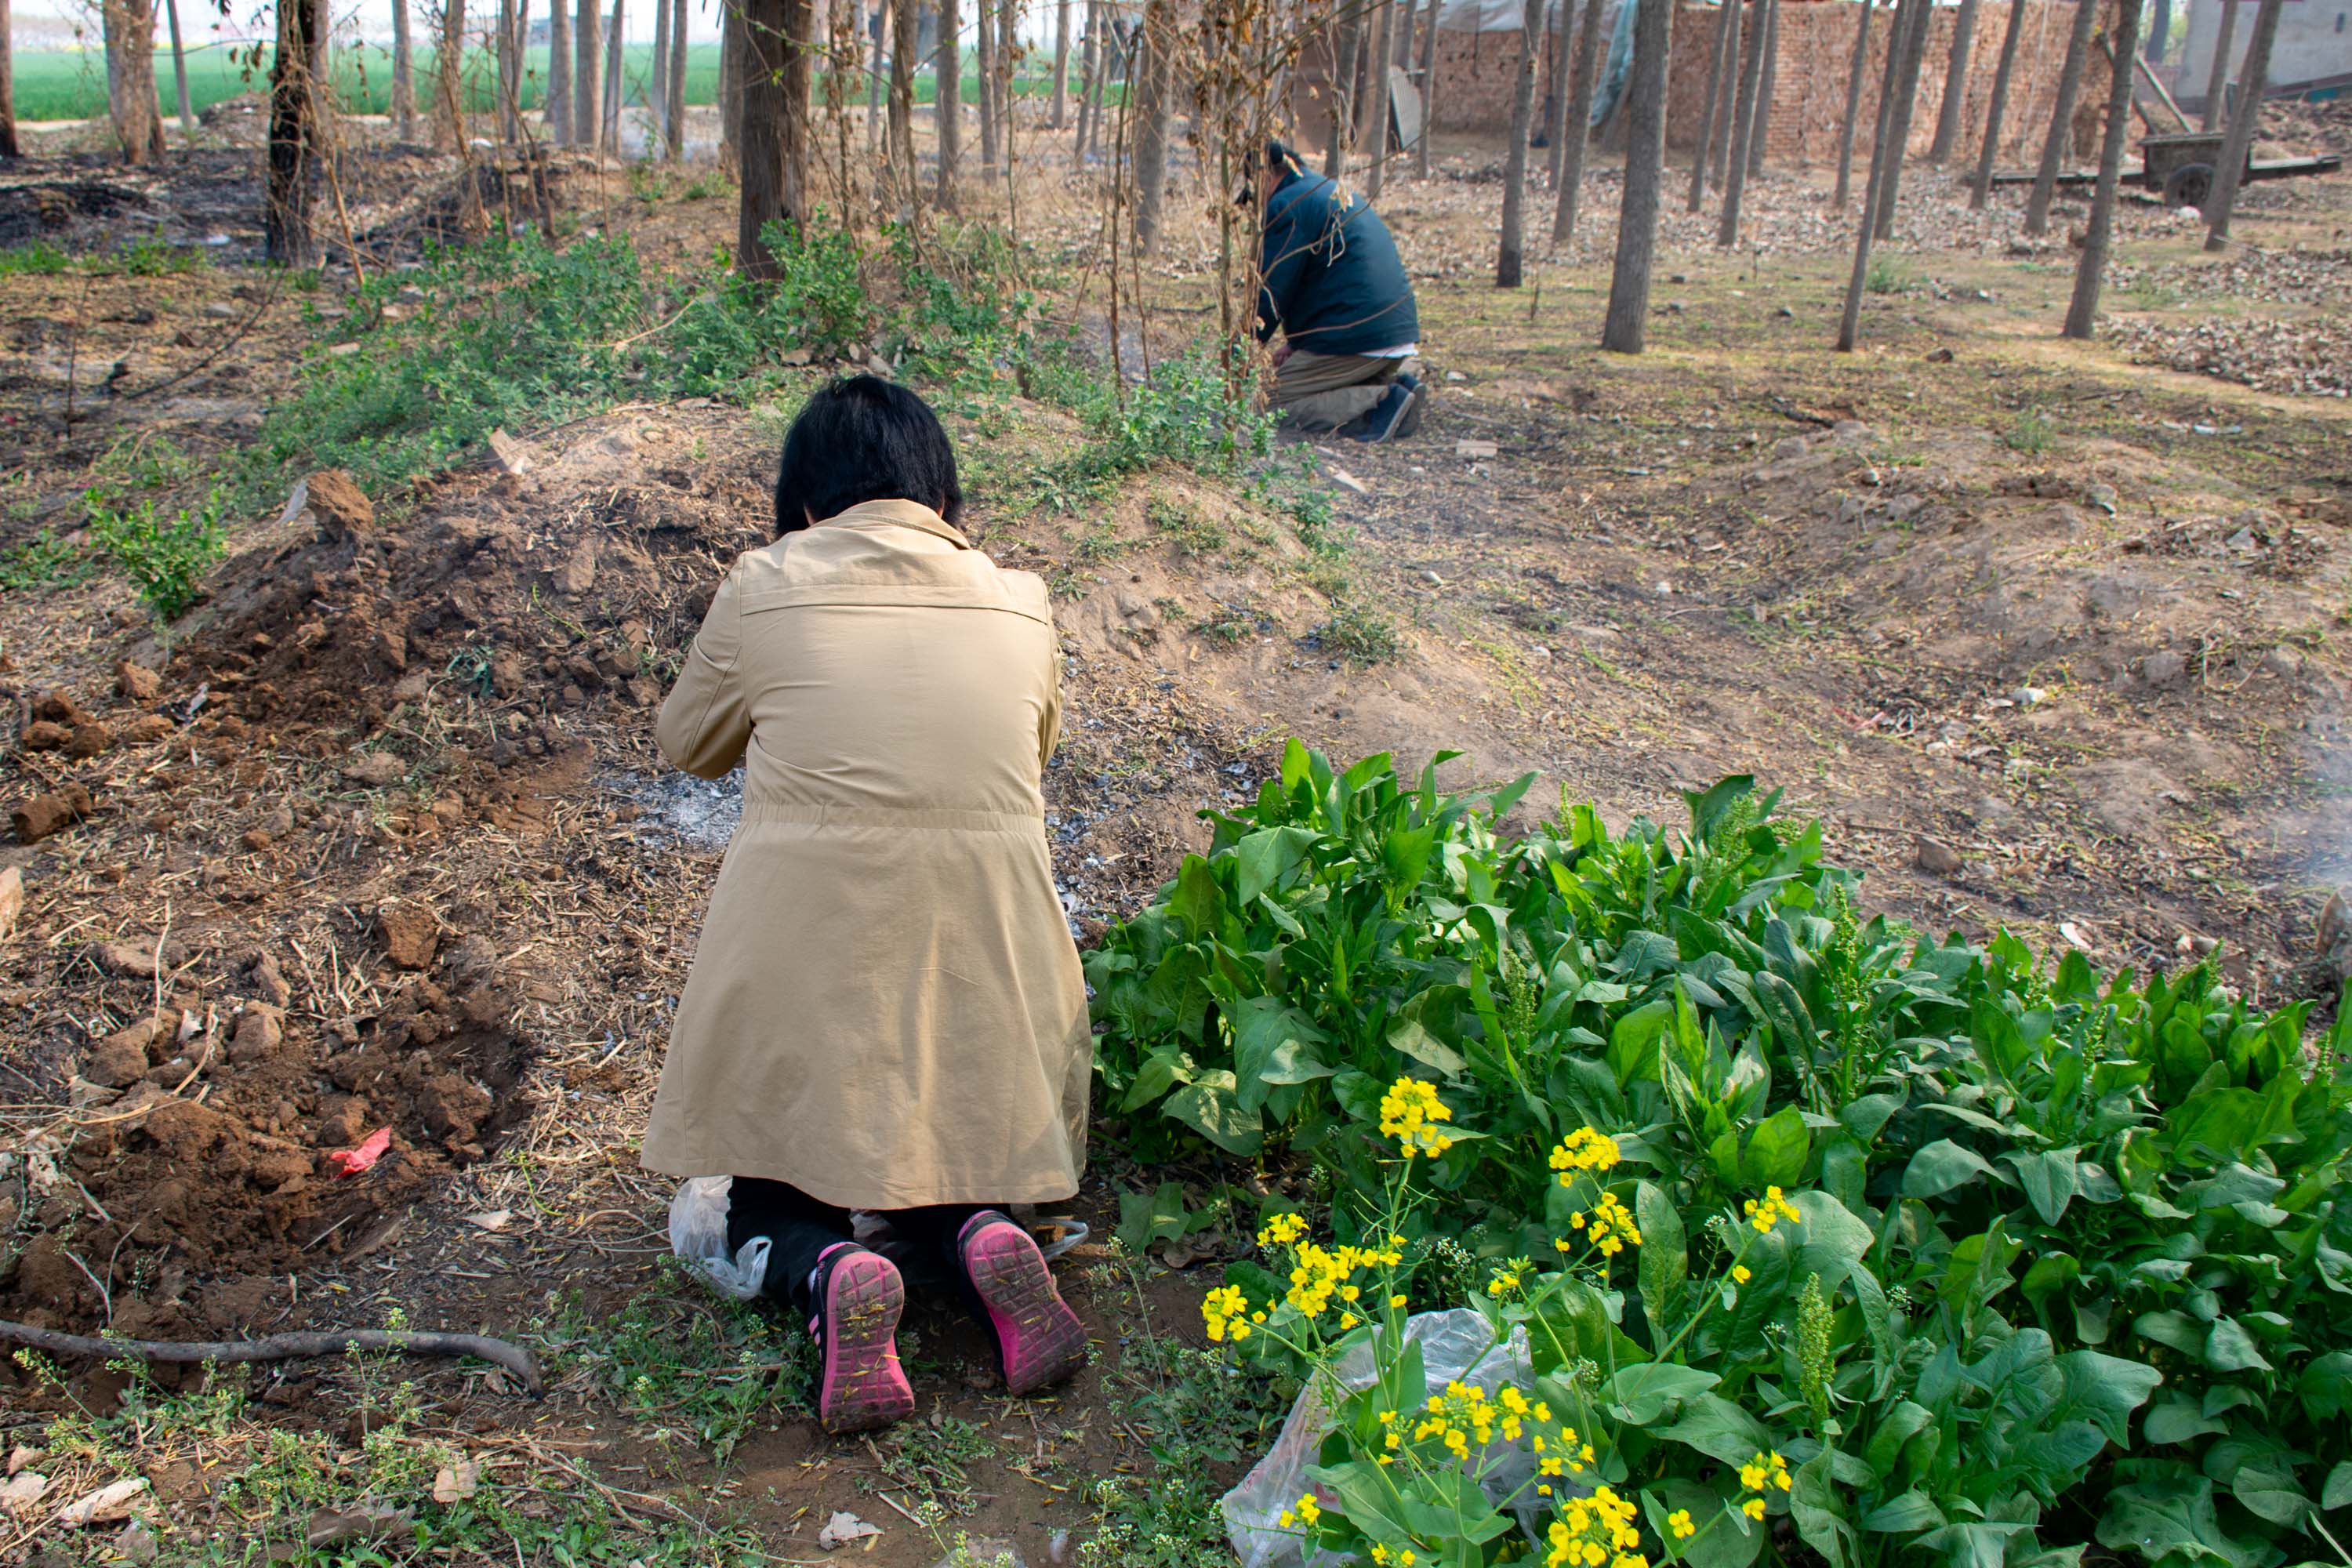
1475	75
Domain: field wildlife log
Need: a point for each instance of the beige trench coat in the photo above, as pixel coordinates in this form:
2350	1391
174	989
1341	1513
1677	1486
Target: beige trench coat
885	1009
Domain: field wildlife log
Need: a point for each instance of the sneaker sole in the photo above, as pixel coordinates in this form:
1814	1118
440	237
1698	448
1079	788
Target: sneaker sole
864	1385
1409	423
1042	1339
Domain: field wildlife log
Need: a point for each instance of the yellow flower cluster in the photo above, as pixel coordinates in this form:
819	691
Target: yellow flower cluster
1584	1150
1509	1278
1679	1521
1771	1211
1410	1113
1282	1230
1226	1313
1595	1531
1761	1474
1609	1229
1459	1416
1404	1559
1307	1513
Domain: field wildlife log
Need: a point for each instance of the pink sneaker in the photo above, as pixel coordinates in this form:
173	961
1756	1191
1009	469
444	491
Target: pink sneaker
859	1297
1038	1338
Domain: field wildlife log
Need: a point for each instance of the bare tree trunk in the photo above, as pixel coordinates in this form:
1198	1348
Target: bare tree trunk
1854	76
1090	54
674	121
1766	86
1981	191
1359	97
1343	97
2217	81
1428	94
1733	67
2083	313
1627	322
449	78
947	98
615	80
1008	56
293	136
878	28
657	88
2160	32
1899	31
180	69
1556	89
1726	23
1579	121
1955	84
731	82
1153	109
775	138
906	25
1377	128
129	30
2058	146
1898	129
987	105
509	75
1061	64
2253	81
9	147
1743	122
1510	258
559	73
587	99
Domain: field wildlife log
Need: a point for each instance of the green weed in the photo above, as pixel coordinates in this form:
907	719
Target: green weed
34	259
45	561
2031	432
1186	530
165	559
1363	636
1886	276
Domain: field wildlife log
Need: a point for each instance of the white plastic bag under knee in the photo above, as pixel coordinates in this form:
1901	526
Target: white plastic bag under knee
1455	1346
697	1235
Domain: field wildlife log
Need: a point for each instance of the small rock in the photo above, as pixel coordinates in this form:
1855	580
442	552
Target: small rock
1937	858
259	1032
1788	447
136	683
1850	430
1785	313
2163	667
1941	355
220	310
577	573
878	366
510	454
507	672
341	508
2336	933
53	812
376	769
117	1061
2030	697
411	933
2284	662
642	691
270	981
12	901
135	1543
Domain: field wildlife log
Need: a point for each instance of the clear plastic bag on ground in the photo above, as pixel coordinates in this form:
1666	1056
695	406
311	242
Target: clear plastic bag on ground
1455	1346
697	1235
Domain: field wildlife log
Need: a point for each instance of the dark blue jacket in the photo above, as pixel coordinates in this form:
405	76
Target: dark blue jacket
1332	280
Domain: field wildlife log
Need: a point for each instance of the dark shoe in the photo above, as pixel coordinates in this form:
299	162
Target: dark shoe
1411	424
1039	1340
858	1298
1388	418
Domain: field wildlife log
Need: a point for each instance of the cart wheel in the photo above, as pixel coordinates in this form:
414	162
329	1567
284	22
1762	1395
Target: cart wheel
2188	186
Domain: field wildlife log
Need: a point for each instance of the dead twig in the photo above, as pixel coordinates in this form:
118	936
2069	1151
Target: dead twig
282	1347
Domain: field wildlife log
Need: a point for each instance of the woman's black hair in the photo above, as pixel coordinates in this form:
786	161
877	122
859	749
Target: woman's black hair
861	439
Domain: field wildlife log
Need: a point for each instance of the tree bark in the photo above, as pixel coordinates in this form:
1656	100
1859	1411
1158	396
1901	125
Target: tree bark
587	99
1510	255
1955	84
657	87
674	103
2059	144
1765	88
1626	324
9	146
1743	123
449	77
730	82
509	75
1853	78
1727	23
774	140
616	84
906	25
1061	64
877	28
1089	61
987	106
1360	96
1579	121
2083	313
1556	90
1997	110
2160	33
137	113
1907	14
180	68
1898	128
1719	154
1343	97
1152	112
293	133
1008	56
2217	81
559	73
1377	128
2252	82
947	99
1428	94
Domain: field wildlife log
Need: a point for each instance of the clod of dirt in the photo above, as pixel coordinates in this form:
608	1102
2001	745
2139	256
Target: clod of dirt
512	456
411	933
2336	933
146	727
88	740
270	982
376	769
453	1108
60	708
138	961
45	735
53	812
118	1060
136	683
1937	858
341	508
577	574
12	901
260	1031
2163	667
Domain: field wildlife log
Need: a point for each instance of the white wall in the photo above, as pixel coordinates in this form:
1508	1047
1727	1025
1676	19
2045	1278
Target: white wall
2314	40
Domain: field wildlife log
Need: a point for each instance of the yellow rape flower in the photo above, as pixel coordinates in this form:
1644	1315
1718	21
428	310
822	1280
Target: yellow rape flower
1584	1150
1679	1521
1410	1113
1770	1211
1225	1312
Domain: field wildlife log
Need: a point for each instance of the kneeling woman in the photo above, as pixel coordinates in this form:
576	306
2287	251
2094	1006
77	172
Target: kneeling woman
886	1011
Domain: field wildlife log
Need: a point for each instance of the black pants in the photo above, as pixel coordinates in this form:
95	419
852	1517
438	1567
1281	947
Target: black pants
800	1227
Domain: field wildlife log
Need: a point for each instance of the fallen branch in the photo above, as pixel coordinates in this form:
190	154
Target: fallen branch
282	1347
